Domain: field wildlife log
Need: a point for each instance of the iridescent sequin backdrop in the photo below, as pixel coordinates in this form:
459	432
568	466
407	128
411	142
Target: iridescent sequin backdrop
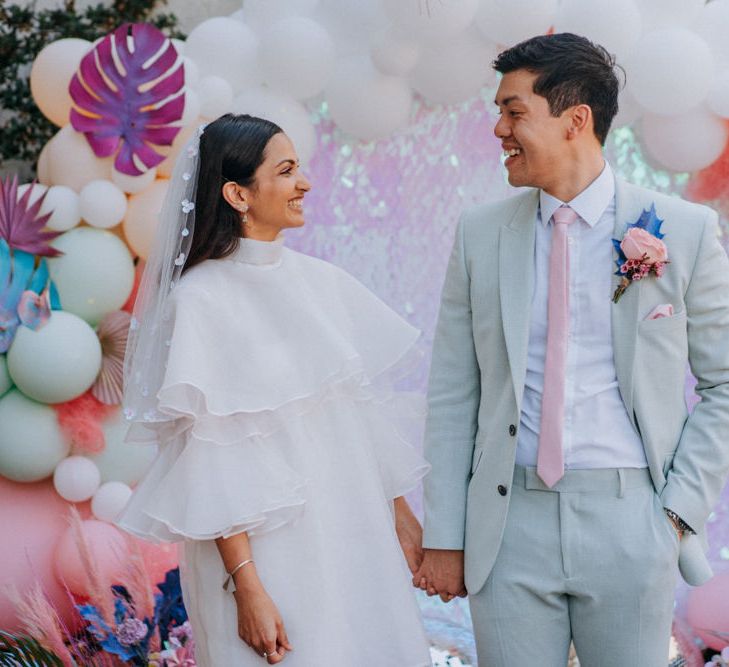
386	212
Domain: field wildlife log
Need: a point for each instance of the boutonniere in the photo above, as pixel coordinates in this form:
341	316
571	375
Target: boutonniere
640	252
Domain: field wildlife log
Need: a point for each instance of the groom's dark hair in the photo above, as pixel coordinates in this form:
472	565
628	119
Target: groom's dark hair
570	70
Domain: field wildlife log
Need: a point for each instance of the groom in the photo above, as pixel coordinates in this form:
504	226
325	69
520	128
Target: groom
568	478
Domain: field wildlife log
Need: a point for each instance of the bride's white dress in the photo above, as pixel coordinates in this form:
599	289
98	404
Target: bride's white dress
283	423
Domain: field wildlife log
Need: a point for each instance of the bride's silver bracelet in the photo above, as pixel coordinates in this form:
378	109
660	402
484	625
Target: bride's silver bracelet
229	578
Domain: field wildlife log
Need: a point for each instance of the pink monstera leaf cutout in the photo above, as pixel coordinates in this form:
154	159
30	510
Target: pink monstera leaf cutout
128	92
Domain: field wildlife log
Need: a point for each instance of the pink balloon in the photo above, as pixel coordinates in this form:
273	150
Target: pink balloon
158	558
707	611
108	548
32	517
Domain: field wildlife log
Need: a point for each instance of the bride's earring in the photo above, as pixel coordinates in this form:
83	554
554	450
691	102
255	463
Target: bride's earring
243	214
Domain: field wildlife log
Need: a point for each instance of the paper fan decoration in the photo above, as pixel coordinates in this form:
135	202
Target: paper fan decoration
127	92
112	333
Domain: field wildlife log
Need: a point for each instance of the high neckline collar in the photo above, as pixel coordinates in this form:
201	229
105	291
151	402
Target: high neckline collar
259	253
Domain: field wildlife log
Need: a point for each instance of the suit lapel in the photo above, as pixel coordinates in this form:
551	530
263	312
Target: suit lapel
624	314
516	282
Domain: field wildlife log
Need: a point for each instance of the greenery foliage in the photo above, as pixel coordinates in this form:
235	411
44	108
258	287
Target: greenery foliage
24	31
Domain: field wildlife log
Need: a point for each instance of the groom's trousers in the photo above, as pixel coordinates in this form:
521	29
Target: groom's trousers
592	560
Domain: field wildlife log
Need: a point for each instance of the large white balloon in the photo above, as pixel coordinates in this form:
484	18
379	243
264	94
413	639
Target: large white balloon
103	204
224	47
718	100
216	96
394	53
286	112
434	77
614	24
296	56
671	71
687	142
193	104
712	24
51	75
508	22
5	382
76	479
432	21
73	163
95	275
133	184
140	223
56	363
261	14
350	24
366	103
31	444
109	500
670	13
122	462
628	110
164	168
64	206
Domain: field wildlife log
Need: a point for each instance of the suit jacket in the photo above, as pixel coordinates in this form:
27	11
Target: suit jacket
479	366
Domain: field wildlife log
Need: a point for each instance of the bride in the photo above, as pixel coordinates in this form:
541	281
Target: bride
266	377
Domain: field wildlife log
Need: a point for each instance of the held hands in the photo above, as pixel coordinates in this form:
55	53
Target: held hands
260	624
441	573
409	533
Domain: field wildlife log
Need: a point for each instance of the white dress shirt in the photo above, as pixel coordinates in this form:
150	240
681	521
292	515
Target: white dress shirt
597	431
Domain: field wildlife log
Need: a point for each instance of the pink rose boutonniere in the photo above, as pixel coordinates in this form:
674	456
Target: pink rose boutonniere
640	252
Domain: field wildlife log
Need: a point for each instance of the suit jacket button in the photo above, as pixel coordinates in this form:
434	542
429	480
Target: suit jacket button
502	489
512	429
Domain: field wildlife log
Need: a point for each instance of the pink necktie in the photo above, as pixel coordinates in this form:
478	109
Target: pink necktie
550	459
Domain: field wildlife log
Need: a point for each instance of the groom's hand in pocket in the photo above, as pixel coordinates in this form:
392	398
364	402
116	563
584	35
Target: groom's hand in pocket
441	572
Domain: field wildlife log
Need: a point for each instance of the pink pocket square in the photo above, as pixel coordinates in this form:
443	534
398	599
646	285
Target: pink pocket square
663	310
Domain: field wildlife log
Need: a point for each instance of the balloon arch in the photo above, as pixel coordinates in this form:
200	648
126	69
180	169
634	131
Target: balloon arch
390	106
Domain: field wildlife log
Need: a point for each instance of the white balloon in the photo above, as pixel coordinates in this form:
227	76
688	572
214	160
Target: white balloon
73	163
508	22
224	47
659	14
95	274
140	223
133	184
432	21
179	46
5	382
122	462
103	204
366	103
109	500
350	24
192	72
291	116
216	96
31	444
394	54
193	104
712	24
671	71
688	142
434	79
58	362
628	110
614	24
76	479
51	75
296	56
261	14
64	206
718	100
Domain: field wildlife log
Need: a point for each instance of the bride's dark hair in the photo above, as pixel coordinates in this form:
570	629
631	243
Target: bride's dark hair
231	149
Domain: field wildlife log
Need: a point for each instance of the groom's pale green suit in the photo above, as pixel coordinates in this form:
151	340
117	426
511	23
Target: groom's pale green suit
592	559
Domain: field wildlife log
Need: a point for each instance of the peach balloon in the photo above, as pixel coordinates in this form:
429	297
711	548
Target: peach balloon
73	163
33	517
142	217
165	168
707	611
44	164
107	547
51	75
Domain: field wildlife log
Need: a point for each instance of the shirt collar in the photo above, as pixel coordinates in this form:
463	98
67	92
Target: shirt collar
250	251
590	204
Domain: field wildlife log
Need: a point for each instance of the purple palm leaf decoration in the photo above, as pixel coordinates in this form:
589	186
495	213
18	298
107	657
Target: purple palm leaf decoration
21	225
127	92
